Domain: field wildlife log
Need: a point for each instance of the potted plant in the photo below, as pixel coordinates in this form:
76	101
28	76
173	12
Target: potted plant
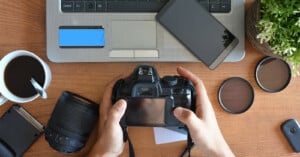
273	27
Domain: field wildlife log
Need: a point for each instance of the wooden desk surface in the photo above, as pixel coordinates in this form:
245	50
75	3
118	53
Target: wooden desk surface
254	133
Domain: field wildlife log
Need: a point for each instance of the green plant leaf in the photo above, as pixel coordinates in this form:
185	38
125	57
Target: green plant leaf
279	26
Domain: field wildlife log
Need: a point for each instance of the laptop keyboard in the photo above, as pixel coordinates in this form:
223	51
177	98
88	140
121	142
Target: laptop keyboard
213	6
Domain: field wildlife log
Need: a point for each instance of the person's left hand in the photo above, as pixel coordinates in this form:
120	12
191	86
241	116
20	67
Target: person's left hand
110	135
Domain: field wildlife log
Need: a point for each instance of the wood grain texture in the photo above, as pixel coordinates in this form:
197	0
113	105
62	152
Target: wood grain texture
253	133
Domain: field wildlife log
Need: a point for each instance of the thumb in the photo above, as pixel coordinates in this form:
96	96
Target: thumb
117	111
185	116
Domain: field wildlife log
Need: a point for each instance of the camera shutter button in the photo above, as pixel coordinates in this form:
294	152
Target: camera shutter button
169	80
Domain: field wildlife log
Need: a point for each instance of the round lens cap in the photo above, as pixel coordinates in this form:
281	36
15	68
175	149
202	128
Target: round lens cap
236	95
272	74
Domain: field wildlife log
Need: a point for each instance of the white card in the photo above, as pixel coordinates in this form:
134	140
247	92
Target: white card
164	135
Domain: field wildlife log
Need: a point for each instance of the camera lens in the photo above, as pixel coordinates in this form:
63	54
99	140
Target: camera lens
71	123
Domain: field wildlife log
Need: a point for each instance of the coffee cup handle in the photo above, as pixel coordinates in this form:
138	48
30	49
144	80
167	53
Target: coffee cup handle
2	100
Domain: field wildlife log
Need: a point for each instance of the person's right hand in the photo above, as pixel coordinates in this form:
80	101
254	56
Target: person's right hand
202	125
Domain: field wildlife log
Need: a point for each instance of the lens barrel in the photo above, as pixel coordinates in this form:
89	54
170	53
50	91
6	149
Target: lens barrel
71	122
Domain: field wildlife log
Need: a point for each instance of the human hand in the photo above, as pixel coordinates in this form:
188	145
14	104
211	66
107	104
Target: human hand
110	136
202	124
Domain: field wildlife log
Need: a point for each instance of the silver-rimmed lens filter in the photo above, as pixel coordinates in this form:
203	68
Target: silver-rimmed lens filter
272	74
236	95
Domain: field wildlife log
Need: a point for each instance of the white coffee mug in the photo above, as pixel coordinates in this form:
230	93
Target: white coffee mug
6	94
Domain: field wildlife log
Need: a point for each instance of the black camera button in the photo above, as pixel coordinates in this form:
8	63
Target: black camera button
167	91
179	91
170	80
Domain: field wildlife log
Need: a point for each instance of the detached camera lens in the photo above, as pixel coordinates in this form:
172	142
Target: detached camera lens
71	123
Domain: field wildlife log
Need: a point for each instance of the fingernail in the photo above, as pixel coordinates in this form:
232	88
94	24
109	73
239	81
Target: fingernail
120	105
180	67
178	111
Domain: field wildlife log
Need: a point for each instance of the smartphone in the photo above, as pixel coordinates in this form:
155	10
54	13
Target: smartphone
200	32
81	37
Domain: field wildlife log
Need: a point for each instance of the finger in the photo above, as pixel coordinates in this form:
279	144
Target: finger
116	112
106	100
197	82
187	117
203	104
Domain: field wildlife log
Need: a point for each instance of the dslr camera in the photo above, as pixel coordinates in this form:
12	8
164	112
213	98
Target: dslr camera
151	99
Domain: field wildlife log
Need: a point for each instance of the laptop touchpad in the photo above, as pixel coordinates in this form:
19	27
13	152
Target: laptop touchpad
134	34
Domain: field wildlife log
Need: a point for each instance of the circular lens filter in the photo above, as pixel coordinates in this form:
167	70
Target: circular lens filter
236	95
272	74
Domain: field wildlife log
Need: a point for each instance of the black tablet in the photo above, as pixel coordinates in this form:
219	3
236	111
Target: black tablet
199	31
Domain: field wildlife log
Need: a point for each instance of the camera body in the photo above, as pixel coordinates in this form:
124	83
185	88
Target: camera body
151	99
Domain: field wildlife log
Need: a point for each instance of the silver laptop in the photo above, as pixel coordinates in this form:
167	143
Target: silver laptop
126	31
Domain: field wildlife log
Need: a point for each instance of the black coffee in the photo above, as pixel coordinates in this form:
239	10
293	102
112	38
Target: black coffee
18	73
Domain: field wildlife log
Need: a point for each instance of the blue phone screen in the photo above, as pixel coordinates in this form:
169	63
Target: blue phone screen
81	37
